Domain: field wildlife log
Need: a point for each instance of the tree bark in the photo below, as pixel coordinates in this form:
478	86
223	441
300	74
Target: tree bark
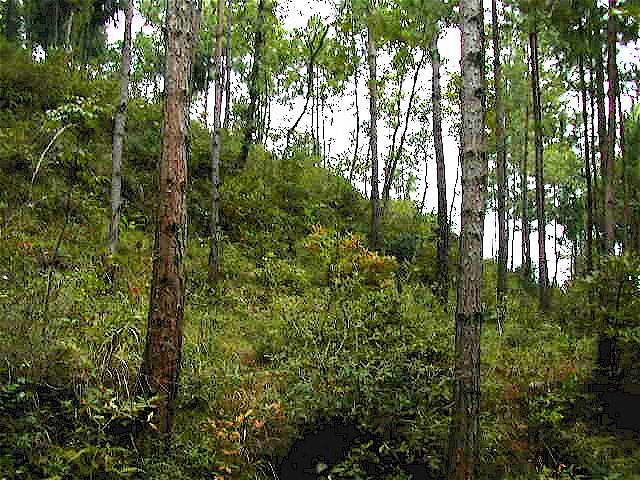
587	169
501	158
216	140
463	451
161	365
254	93
119	132
375	236
543	276
609	185
442	290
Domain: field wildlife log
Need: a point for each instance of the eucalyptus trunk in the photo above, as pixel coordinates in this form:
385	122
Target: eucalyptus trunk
464	439
119	132
161	364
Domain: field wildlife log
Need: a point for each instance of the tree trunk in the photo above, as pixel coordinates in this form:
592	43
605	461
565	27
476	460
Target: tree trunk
543	276
587	169
397	153
464	439
426	184
313	53
602	141
161	364
357	105
119	131
214	251
609	187
626	213
524	187
254	93
501	157
376	210
443	221
594	166
227	68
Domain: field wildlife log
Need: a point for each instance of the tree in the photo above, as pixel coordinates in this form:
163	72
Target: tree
161	364
443	221
464	436
587	169
543	276
524	188
216	139
251	123
118	131
376	208
501	154
609	191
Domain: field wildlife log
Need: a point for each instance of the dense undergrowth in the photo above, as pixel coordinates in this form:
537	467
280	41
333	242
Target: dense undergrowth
307	327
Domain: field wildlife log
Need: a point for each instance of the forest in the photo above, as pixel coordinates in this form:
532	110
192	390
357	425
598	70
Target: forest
323	239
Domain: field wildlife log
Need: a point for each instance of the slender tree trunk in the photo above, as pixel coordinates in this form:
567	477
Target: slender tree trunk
227	68
514	196
313	53
216	139
396	127
587	170
357	105
119	131
556	252
501	156
426	184
602	142
207	84
609	185
626	214
254	92
68	30
524	187
161	364
594	165
464	439
376	209
397	153
543	276
443	221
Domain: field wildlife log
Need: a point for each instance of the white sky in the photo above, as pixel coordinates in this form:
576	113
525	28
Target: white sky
340	125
